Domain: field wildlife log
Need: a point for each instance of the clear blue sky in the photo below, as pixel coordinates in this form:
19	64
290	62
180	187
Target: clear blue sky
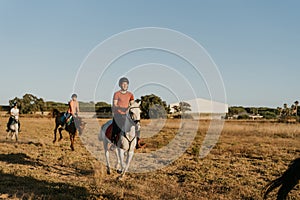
255	44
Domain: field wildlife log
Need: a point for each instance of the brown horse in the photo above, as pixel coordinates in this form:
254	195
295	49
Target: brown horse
71	128
286	182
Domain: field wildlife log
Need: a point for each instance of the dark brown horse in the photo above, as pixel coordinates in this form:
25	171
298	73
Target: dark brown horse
286	182
71	128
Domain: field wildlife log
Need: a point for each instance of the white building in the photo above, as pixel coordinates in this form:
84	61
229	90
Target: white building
204	109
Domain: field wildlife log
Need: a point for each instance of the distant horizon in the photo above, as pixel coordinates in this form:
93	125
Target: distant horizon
168	103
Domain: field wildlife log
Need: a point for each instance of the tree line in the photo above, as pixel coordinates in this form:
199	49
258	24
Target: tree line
30	104
284	113
152	106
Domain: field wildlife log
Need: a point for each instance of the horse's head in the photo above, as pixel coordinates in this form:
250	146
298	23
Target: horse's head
135	114
55	112
135	111
80	125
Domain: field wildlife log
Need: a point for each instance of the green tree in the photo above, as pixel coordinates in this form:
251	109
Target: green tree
86	106
269	115
236	110
50	105
102	104
29	104
296	107
184	106
153	106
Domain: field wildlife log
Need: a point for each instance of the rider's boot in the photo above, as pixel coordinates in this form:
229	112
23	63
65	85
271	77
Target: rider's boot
139	144
113	139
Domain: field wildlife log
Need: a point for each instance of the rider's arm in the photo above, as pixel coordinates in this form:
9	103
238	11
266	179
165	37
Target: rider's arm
72	108
115	103
116	107
77	108
131	101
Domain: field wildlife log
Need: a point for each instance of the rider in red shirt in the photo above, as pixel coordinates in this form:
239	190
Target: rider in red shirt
121	101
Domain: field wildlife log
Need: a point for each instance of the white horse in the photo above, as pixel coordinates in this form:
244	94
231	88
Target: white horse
127	140
13	131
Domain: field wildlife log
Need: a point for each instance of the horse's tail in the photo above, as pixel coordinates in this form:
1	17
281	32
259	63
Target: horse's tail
55	113
271	186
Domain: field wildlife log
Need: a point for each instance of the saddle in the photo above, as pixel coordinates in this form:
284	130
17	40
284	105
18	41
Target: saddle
66	119
108	133
11	121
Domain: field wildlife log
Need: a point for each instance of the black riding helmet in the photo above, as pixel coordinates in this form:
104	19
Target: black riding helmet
74	95
122	80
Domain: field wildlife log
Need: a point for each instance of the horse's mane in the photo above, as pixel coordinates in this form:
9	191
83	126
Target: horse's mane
55	112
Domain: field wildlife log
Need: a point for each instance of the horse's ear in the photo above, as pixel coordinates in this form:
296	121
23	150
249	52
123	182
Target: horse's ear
139	103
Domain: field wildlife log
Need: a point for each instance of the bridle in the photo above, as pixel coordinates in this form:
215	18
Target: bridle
136	122
131	114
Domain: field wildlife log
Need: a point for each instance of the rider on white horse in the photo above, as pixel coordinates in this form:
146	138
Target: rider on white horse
127	140
13	123
14	114
122	99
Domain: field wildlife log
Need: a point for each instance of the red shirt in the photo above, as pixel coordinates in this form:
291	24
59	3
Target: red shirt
123	101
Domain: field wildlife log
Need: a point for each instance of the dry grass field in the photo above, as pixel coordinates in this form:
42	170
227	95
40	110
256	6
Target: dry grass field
247	156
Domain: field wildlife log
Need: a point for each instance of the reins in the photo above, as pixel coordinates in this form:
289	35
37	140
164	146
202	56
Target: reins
135	122
129	141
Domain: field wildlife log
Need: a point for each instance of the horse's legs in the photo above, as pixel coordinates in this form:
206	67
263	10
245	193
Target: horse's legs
105	144
16	131
16	135
72	136
8	134
13	132
128	160
118	164
121	160
60	134
55	130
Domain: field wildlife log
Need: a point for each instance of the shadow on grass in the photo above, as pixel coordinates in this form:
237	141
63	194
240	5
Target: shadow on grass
23	159
17	158
29	188
13	186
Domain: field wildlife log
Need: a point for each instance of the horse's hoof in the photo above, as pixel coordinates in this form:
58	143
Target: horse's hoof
108	172
60	139
121	178
119	171
72	148
54	141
